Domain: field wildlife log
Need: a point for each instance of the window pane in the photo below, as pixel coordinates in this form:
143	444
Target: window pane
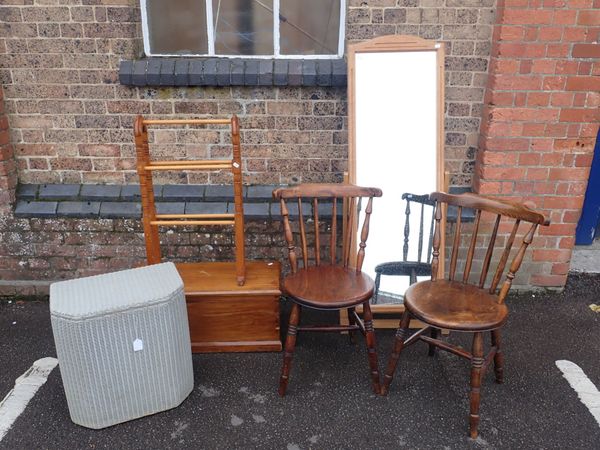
177	26
243	27
309	27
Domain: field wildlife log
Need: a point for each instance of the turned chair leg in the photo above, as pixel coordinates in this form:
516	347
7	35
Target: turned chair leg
290	344
474	397
371	346
398	346
433	332
498	357
351	321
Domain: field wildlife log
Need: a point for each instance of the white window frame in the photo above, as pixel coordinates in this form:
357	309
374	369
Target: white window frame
211	41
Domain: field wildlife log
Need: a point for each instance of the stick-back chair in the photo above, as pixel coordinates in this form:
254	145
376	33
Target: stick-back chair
330	280
465	304
420	262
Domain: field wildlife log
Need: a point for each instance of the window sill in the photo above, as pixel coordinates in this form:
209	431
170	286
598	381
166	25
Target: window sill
164	71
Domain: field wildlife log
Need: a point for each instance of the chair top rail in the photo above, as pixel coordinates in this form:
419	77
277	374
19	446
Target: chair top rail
494	205
187	121
325	190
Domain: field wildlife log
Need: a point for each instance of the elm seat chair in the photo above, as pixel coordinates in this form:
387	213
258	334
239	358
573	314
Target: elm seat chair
334	281
420	263
464	305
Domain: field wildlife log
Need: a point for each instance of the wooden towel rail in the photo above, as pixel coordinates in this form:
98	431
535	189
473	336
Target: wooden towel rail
146	167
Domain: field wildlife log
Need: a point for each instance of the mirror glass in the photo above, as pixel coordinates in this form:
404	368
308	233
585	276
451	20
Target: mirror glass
395	121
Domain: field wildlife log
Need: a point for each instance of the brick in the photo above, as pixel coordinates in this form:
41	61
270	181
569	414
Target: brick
295	73
27	191
237	72
78	209
206	208
583	84
265	72
100	192
579	115
180	192
170	207
309	73
131	192
35	209
113	210
224	72
59	191
280	72
181	72
589	17
251	73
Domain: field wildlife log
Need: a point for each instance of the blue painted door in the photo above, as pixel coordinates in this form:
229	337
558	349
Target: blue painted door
588	227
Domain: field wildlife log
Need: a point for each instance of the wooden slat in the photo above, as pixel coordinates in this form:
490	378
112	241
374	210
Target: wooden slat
188	162
187	121
456	244
302	234
489	252
191	222
317	237
194	216
190	167
471	251
448	347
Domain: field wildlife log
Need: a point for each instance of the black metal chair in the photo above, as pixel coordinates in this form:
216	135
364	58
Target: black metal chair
413	268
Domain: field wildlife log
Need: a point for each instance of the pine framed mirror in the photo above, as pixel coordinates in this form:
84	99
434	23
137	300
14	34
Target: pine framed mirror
396	140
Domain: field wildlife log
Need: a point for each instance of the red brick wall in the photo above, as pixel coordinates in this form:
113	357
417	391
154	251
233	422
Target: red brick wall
541	116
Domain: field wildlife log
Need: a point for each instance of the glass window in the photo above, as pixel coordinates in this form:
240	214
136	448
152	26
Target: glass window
244	28
309	27
177	26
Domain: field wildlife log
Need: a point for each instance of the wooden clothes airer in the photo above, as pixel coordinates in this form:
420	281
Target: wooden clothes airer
146	167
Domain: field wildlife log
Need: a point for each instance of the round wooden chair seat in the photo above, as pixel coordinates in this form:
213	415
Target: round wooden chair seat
455	306
328	287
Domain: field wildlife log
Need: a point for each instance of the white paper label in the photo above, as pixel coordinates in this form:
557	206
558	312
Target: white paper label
236	165
138	345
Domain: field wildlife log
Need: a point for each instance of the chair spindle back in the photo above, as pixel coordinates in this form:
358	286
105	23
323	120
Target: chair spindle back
423	200
514	214
325	202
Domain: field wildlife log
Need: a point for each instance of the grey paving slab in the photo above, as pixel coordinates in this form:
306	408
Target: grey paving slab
295	72
237	72
251	73
130	192
206	208
183	192
170	207
324	70
59	191
309	73
26	208
100	192
27	191
78	209
116	210
182	72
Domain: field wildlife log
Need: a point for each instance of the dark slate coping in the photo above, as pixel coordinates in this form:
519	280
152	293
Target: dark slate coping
255	210
78	209
59	191
118	210
261	192
100	191
115	201
207	208
182	192
169	71
27	191
170	207
35	209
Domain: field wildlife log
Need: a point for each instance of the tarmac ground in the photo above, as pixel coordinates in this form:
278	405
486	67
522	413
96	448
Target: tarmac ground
329	404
